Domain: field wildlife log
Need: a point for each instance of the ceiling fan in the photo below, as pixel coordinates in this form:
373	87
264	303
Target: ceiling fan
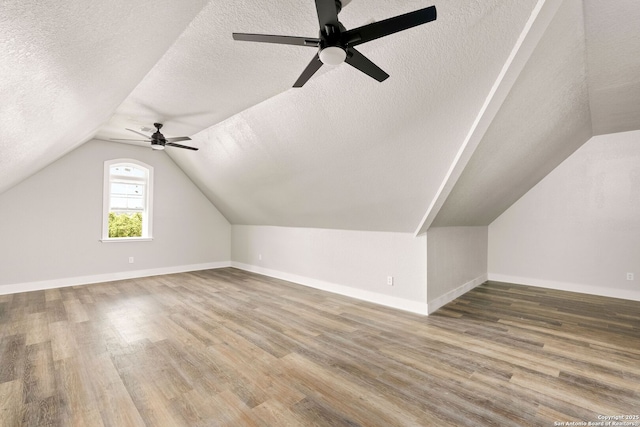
158	141
336	44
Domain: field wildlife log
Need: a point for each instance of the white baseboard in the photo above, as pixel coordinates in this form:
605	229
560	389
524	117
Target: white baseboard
628	294
455	293
374	297
108	277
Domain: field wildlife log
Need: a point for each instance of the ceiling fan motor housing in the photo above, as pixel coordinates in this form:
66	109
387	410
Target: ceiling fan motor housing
157	140
332	48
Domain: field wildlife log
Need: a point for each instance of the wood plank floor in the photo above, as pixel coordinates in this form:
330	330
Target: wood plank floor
229	348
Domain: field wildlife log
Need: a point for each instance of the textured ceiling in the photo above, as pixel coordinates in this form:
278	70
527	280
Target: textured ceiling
65	67
583	79
206	76
544	119
613	58
343	151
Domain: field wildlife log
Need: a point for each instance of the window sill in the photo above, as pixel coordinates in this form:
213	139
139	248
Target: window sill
126	239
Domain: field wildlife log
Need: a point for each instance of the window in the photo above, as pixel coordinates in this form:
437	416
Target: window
127	203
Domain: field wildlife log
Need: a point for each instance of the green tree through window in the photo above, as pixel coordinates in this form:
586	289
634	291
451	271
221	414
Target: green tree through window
125	225
127	200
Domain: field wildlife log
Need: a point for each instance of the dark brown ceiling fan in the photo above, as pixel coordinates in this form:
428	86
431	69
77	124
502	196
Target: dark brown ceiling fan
336	44
158	141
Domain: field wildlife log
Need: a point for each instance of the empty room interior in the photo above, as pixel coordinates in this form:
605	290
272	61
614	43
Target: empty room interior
320	213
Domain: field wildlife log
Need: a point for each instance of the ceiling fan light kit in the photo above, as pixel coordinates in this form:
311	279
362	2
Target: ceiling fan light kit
336	44
333	55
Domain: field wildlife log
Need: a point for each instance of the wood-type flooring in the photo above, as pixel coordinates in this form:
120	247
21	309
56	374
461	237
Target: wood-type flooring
230	348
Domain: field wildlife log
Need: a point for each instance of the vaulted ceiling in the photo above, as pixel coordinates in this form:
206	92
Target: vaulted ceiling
583	79
480	105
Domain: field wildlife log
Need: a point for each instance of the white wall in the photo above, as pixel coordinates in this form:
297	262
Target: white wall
353	263
456	262
579	228
50	224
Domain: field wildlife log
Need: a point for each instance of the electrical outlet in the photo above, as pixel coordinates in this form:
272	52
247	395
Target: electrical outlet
390	280
259	257
130	260
629	276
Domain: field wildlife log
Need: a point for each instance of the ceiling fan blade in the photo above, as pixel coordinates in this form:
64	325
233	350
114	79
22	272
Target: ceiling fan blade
311	69
362	63
269	38
327	13
383	28
181	146
138	140
178	138
139	133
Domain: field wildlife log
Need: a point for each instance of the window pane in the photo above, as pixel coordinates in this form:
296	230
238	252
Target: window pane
125	225
118	188
135	204
118	203
126	189
127	203
123	170
136	189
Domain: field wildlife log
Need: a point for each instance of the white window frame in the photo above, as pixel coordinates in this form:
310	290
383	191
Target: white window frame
147	216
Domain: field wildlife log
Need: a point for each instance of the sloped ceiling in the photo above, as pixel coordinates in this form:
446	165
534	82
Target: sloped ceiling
544	119
613	58
206	76
343	151
66	66
582	80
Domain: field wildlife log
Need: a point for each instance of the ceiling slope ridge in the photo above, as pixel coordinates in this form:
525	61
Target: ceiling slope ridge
92	134
541	16
198	184
61	71
174	92
161	57
587	67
